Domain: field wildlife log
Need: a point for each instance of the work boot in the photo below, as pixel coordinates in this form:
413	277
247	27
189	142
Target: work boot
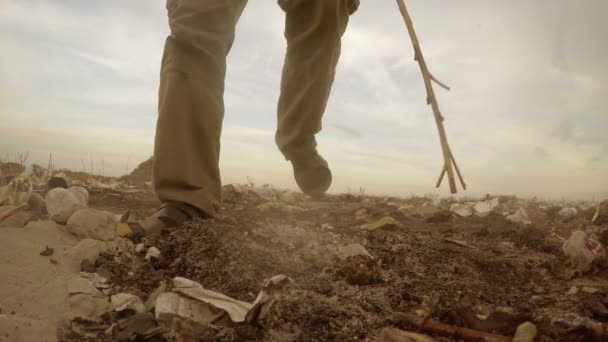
312	175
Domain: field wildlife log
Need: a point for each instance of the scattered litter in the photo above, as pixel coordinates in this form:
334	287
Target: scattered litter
462	209
16	192
589	289
396	335
582	250
384	223
140	248
525	332
139	327
459	243
266	299
520	216
95	280
123	230
151	301
127	301
483	209
170	305
152	253
343	252
567	213
237	310
47	251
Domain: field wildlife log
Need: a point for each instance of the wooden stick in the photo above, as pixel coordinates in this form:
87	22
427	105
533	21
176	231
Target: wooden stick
12	212
436	327
431	99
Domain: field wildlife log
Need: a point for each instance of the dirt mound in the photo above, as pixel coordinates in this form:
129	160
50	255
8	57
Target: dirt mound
141	174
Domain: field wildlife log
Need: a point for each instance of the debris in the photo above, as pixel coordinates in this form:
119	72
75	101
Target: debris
59	180
279	207
95	280
36	203
601	214
360	270
47	252
237	310
525	332
92	223
85	300
459	243
61	204
567	214
151	301
170	305
140	248
123	230
577	250
139	327
343	252
384	223
439	216
10	212
520	216
87	265
17	192
152	253
462	209
396	335
589	289
266	299
483	209
573	290
126	301
361	214
439	328
81	193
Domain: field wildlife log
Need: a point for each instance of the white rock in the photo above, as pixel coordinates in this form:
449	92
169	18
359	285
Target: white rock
577	251
81	193
127	301
520	216
92	223
567	213
526	332
140	248
61	204
483	209
152	252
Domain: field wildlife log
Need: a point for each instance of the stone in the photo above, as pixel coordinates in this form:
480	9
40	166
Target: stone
396	335
124	230
92	223
140	248
589	289
61	204
60	181
152	253
127	301
81	193
525	332
567	213
37	204
343	252
17	220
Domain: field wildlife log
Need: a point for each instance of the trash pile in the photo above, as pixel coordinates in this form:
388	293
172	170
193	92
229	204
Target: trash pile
277	265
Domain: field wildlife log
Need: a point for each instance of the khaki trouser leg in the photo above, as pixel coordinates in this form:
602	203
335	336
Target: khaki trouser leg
313	29
191	106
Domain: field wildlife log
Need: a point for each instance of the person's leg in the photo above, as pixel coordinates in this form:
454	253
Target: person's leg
191	105
313	29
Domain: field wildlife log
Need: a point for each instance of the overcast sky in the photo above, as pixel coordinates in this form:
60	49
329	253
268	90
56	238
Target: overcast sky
527	113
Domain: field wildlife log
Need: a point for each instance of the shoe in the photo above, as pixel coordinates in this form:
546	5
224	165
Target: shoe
312	175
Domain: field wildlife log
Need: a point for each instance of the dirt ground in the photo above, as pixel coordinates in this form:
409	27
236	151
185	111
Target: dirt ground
482	273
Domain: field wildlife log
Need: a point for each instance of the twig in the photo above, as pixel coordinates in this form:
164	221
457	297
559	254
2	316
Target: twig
432	100
436	327
12	212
